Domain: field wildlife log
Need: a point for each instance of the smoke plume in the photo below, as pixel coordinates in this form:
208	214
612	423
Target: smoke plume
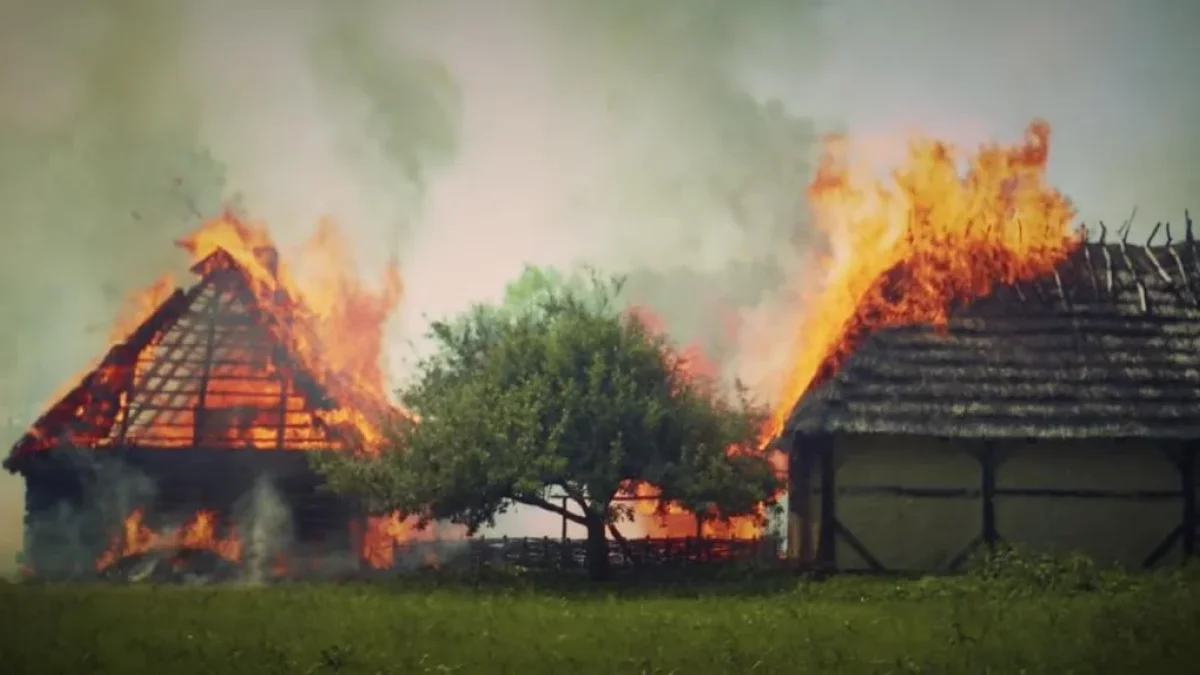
466	138
264	525
667	139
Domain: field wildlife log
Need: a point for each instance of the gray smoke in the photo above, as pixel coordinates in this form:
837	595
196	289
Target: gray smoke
125	120
68	533
470	138
263	521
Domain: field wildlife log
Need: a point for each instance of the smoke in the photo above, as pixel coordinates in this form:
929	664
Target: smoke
67	533
467	138
1114	80
263	521
125	120
624	135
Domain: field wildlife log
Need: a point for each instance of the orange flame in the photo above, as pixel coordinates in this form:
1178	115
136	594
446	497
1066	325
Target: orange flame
199	533
651	518
906	251
384	533
139	306
336	323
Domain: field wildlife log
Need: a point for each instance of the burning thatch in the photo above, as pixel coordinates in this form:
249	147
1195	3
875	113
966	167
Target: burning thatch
1106	345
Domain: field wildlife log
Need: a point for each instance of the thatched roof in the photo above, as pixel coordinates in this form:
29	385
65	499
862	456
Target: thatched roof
1106	346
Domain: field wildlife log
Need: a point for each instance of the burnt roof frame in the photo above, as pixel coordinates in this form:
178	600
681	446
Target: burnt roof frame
59	420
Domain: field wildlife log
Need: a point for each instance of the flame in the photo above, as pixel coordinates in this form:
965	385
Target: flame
335	322
903	248
331	328
382	535
651	517
907	250
198	533
139	306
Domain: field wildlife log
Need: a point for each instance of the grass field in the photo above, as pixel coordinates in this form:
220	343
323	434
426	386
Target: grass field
1031	621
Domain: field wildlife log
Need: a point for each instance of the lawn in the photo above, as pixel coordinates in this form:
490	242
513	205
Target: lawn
966	625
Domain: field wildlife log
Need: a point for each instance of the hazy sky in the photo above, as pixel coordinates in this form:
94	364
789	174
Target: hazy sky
478	135
1116	78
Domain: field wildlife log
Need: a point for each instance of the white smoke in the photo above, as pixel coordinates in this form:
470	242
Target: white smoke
263	522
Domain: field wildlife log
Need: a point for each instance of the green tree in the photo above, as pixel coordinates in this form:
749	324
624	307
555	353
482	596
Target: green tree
560	391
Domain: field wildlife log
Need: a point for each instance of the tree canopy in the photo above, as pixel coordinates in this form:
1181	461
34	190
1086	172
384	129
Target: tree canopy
559	390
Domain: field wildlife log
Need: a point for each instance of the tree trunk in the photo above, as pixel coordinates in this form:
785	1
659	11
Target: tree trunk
597	549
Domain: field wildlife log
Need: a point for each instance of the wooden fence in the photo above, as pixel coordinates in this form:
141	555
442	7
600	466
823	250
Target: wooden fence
553	553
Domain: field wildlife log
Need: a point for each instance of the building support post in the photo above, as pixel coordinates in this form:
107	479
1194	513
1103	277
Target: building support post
987	495
800	463
827	542
1187	475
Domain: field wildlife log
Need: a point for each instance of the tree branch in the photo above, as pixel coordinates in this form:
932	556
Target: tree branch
623	543
575	495
552	508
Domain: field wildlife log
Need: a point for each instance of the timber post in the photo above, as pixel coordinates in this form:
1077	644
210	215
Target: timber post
827	538
987	495
800	543
1187	476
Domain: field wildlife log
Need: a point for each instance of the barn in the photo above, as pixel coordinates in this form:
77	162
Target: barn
199	424
1062	414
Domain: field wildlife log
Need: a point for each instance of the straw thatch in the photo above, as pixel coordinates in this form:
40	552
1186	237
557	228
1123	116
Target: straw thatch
1108	345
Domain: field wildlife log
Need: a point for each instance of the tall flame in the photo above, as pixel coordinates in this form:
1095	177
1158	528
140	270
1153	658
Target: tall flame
336	323
905	251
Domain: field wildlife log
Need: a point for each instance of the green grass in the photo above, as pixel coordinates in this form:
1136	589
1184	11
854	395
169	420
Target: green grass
1027	621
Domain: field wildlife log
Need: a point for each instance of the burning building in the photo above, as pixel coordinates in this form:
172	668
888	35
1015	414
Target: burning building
192	433
1062	413
974	374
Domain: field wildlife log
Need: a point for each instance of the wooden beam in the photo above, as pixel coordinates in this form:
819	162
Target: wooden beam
987	497
1163	547
859	547
1187	483
200	416
800	465
977	493
827	539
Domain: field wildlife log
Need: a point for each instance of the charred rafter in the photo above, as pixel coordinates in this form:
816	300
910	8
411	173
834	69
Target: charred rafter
214	366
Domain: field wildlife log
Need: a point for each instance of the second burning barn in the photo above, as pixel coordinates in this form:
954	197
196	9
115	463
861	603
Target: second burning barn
1061	413
192	434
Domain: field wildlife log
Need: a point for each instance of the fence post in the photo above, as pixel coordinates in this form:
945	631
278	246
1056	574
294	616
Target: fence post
564	519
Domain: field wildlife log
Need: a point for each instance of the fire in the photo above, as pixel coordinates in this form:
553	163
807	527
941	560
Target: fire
384	533
336	322
906	251
651	518
330	322
199	533
141	305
